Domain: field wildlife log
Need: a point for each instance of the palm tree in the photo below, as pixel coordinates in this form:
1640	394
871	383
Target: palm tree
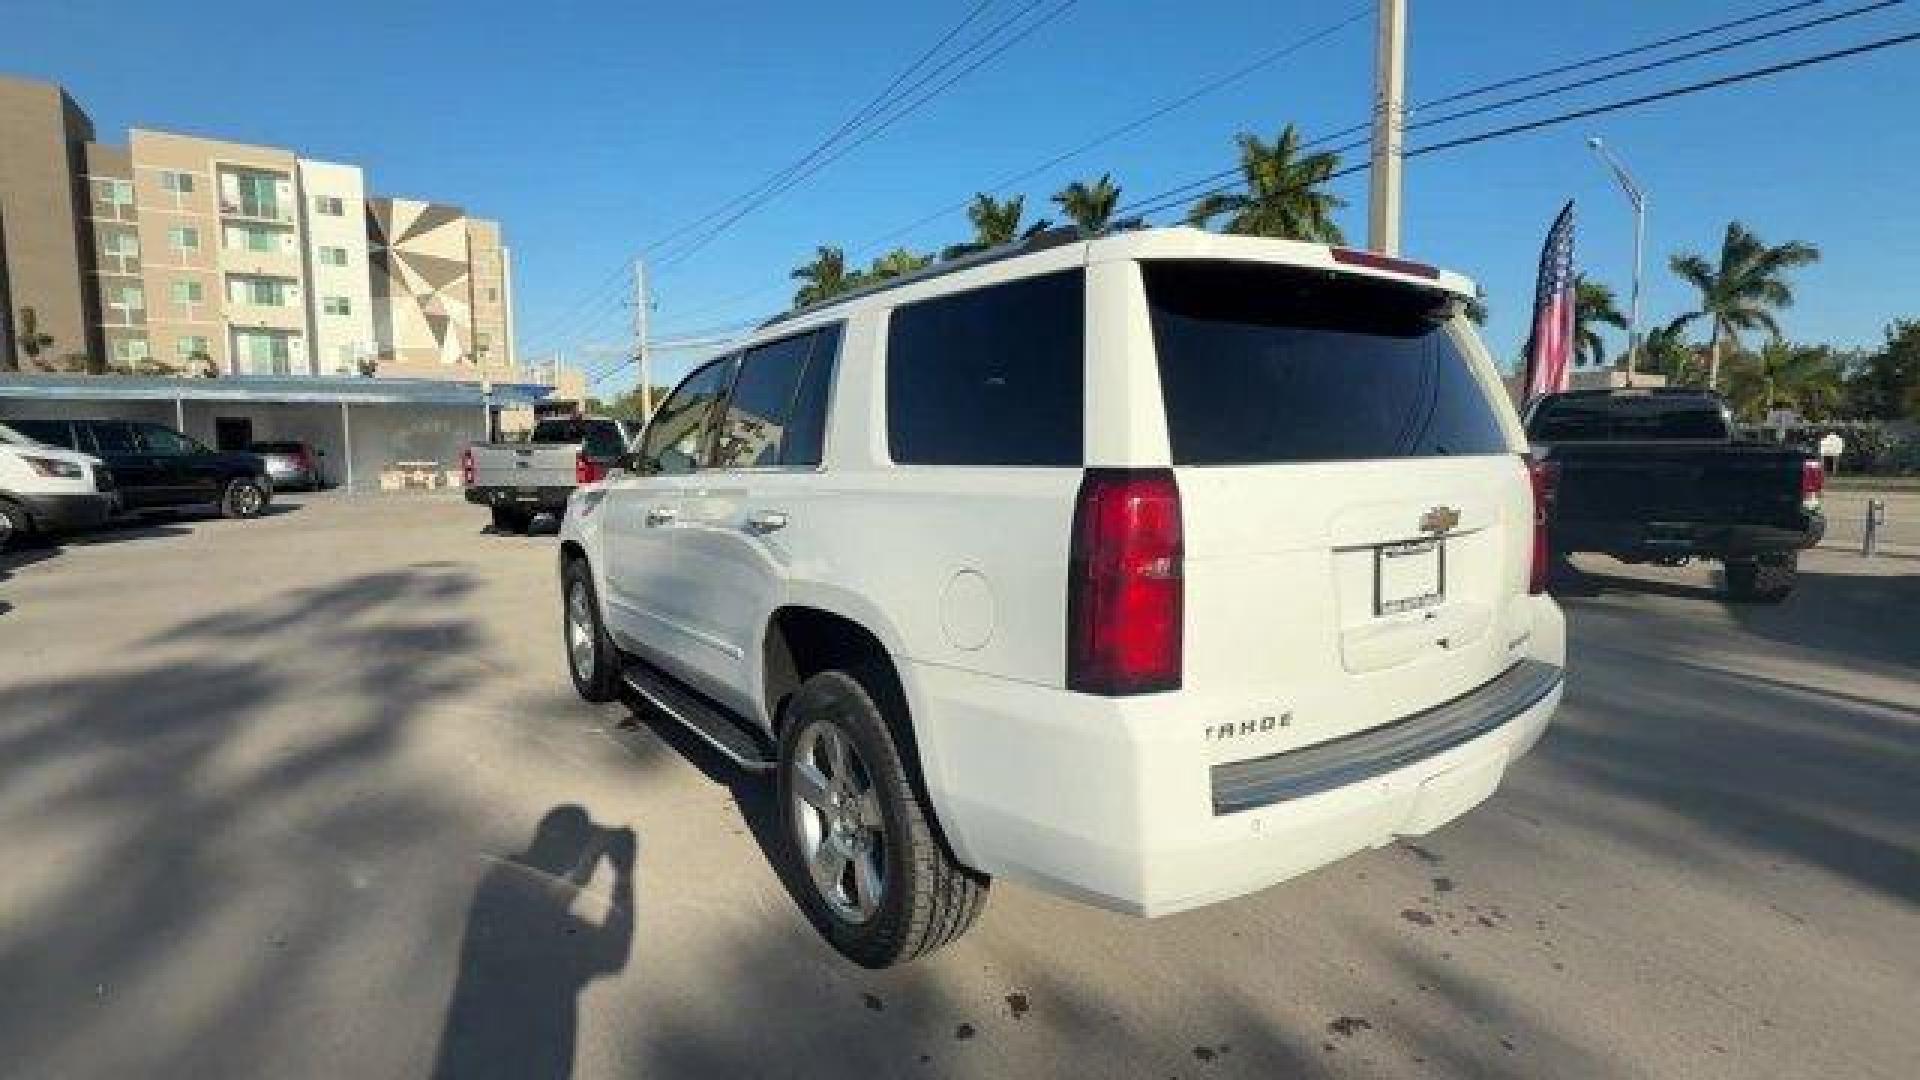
1805	378
895	263
1593	303
1089	206
995	222
1665	351
1283	195
1744	291
32	342
824	277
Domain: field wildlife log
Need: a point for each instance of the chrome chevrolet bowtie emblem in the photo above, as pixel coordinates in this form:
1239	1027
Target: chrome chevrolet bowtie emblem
1439	519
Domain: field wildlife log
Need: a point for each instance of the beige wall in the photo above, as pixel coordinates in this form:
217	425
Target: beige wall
119	258
48	250
221	260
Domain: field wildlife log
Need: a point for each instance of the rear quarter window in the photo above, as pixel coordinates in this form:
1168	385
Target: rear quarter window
994	376
1262	364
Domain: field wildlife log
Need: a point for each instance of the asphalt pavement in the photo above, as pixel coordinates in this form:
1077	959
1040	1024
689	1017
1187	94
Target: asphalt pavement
311	796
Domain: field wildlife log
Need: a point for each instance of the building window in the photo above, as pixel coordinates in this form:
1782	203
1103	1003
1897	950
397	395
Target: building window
116	192
493	295
131	297
254	238
179	183
183	238
124	244
257	291
191	346
262	353
482	343
336	305
187	292
333	256
258	195
129	350
330	205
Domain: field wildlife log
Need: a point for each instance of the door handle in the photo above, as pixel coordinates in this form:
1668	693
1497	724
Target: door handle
766	521
661	515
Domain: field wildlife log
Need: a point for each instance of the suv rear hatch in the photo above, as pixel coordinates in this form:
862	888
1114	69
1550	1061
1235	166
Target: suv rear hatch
1358	517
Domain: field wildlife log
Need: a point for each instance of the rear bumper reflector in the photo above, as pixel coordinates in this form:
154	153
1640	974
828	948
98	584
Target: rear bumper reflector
1351	759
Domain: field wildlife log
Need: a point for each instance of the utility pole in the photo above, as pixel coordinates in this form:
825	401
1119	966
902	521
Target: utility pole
1389	130
640	337
1637	197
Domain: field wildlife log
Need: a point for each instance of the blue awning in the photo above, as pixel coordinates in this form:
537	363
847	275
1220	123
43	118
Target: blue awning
266	389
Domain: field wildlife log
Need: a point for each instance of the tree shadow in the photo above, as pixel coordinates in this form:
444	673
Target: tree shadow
526	955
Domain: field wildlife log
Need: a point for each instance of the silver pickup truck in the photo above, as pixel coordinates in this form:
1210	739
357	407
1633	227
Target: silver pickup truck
521	480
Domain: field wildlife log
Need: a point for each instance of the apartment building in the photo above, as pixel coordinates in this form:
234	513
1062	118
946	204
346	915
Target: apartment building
46	256
189	255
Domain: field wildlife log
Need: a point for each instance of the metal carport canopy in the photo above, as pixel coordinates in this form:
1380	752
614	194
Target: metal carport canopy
345	391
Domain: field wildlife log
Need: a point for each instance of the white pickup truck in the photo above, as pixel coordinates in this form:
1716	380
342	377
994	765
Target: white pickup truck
519	480
1148	570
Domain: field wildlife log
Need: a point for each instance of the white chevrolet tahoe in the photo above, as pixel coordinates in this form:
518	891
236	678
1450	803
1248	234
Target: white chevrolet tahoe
1149	570
45	490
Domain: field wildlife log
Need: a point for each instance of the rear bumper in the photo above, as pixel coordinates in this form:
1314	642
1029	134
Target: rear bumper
1116	803
291	478
1691	539
549	499
68	511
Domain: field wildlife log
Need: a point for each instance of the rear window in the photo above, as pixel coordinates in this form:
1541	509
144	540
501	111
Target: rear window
568	430
274	448
1278	364
1627	417
995	376
603	439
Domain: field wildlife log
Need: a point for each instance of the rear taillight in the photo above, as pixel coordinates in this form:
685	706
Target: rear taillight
1813	481
466	467
586	470
1545	476
303	458
1125	589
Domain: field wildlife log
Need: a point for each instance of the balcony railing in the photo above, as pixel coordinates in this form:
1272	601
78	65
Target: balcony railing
257	211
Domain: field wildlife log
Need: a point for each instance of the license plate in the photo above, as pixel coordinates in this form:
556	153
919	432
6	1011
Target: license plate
1409	576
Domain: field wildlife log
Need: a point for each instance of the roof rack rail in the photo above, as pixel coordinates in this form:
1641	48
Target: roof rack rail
1040	241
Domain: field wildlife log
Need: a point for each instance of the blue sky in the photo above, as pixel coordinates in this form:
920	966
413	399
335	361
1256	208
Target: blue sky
591	129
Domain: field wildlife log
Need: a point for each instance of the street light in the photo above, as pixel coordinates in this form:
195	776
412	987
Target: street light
1639	200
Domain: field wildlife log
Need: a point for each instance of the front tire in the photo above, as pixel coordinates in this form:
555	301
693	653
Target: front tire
243	498
591	658
870	870
1768	579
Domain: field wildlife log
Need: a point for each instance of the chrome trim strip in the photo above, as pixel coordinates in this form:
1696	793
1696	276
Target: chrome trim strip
1351	759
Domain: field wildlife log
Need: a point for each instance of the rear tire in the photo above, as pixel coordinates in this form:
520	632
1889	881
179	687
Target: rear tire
870	818
243	498
1768	579
509	519
591	658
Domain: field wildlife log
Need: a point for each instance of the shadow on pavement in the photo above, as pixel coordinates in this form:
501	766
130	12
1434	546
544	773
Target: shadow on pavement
526	956
182	870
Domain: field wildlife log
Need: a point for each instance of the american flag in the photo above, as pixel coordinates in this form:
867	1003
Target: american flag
1550	347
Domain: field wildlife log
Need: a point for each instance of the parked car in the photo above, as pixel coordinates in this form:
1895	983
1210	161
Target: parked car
1149	570
290	464
46	490
518	480
154	466
1659	475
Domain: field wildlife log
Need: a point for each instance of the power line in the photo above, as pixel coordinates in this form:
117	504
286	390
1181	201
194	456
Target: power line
897	115
1210	86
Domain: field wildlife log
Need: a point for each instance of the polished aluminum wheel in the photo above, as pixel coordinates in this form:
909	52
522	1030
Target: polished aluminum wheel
246	500
837	822
581	639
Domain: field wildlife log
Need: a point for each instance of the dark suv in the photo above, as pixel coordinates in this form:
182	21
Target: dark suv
156	466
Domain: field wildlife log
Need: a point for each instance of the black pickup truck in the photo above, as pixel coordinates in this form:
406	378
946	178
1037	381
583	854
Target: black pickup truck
1660	476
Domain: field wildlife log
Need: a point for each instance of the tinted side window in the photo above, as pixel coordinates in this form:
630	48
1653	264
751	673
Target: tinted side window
756	418
1271	364
807	428
165	442
113	438
603	439
677	434
51	432
995	376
